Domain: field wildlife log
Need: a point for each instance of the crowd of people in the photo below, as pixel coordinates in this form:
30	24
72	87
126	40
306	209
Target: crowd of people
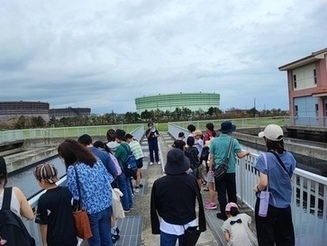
94	168
205	154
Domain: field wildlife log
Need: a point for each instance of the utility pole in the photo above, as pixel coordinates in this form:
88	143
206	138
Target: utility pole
254	110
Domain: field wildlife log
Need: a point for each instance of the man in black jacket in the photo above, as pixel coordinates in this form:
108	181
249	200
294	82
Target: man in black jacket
173	198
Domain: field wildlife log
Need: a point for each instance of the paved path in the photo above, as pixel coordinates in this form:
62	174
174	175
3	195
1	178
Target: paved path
143	201
136	227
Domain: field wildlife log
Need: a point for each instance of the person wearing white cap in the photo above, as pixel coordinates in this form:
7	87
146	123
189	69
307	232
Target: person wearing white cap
276	167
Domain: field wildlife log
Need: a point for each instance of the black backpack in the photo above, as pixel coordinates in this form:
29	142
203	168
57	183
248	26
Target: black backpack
191	153
12	227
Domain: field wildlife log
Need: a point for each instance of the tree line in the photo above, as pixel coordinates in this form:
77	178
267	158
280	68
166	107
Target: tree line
179	114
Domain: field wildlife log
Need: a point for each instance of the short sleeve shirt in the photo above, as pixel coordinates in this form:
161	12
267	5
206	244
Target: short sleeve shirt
55	210
136	149
219	148
240	234
279	183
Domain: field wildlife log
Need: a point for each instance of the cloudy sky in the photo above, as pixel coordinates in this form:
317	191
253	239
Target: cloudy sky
104	54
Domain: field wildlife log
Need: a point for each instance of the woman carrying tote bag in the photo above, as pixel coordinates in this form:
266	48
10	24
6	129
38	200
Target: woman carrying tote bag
274	227
96	194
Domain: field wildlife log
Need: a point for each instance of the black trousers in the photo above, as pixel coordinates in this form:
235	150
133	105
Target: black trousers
227	184
277	227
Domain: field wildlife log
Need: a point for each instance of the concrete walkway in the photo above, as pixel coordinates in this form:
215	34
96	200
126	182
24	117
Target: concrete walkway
136	227
142	202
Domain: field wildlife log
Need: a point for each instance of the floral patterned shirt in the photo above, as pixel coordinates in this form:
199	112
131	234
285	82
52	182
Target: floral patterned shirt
94	183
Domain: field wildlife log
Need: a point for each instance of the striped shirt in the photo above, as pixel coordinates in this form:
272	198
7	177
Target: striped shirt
136	149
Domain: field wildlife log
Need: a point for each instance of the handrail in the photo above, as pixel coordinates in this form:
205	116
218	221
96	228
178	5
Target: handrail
309	199
62	132
31	226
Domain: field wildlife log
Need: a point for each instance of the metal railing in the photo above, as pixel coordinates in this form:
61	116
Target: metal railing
239	122
309	121
31	226
63	132
309	200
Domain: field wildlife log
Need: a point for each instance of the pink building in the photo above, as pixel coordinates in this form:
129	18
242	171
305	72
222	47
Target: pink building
307	89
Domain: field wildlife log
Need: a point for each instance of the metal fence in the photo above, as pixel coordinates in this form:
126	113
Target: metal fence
309	201
240	122
63	132
32	227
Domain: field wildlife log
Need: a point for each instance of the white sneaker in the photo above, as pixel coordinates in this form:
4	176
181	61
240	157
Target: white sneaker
159	163
151	163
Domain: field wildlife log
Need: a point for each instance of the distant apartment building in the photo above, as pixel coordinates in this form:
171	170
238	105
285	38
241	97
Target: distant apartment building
15	109
59	113
307	89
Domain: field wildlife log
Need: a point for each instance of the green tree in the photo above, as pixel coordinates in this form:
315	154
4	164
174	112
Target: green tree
20	123
37	122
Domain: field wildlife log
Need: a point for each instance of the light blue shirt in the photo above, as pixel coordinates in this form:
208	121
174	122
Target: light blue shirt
279	181
219	148
95	186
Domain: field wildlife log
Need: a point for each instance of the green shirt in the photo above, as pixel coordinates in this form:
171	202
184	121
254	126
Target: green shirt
219	148
121	153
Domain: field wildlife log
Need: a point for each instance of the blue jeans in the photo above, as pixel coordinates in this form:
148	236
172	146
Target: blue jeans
170	240
101	228
124	185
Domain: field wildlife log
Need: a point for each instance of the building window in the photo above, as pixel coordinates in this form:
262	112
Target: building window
294	80
317	109
315	76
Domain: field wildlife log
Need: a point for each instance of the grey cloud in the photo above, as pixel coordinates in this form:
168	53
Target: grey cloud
105	54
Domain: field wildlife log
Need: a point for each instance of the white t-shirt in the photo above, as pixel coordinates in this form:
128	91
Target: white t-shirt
113	145
175	229
240	233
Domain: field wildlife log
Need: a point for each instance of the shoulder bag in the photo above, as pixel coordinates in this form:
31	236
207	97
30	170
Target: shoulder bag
117	207
280	161
82	222
264	195
221	170
192	233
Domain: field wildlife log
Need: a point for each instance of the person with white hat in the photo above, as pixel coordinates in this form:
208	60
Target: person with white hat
276	167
